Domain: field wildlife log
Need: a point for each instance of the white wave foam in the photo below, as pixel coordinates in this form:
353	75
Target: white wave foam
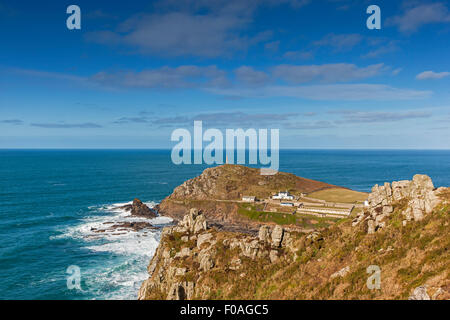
131	249
131	243
118	281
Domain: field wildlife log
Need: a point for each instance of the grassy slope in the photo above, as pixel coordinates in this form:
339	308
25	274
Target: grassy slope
408	257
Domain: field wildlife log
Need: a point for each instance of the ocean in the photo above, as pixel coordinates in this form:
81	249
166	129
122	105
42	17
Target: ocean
50	200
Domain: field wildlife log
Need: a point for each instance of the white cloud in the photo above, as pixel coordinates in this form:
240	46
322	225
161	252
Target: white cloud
332	92
353	116
164	77
415	17
15	122
432	75
272	46
396	71
234	118
338	72
190	76
85	125
340	42
389	47
253	83
314	125
205	28
298	55
250	76
178	33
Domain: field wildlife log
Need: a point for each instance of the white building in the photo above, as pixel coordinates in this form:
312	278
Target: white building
248	198
286	204
324	211
283	196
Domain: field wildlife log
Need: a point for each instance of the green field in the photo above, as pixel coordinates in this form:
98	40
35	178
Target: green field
253	213
303	220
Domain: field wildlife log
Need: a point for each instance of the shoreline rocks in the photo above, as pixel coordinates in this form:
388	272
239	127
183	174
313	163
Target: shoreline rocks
135	226
139	209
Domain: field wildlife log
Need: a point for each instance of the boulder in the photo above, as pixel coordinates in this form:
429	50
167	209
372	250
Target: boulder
193	222
206	261
204	238
277	236
371	226
420	293
264	234
235	264
388	210
314	237
423	182
139	209
184	253
250	249
273	256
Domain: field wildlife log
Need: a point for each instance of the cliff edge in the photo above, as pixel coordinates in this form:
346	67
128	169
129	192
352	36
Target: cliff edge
403	234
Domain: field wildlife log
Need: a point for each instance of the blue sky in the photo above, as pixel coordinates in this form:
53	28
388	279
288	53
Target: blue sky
137	70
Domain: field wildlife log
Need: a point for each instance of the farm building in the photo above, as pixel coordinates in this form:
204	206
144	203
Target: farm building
283	196
286	204
248	198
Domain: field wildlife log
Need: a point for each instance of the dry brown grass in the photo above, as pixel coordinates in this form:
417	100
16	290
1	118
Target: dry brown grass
408	257
339	195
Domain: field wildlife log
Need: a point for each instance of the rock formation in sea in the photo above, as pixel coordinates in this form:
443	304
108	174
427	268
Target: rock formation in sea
139	209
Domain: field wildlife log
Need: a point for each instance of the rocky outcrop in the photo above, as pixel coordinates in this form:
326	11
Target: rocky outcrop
139	209
191	249
277	236
420	293
192	223
419	195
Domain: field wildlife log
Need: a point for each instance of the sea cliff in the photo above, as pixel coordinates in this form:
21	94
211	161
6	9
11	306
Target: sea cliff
402	232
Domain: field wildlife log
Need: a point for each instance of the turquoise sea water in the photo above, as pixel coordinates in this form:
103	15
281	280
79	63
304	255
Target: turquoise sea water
50	200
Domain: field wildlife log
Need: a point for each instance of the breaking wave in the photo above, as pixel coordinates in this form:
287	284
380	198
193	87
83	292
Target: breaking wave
127	251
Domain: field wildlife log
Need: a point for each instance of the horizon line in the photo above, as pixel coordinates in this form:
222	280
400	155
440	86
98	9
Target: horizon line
280	149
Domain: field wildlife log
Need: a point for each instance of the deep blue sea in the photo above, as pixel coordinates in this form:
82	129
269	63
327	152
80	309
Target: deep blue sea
50	200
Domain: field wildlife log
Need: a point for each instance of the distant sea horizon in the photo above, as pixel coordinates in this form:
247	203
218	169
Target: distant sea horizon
281	149
50	199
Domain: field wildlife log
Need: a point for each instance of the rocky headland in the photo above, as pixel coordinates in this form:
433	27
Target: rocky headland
403	231
217	189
